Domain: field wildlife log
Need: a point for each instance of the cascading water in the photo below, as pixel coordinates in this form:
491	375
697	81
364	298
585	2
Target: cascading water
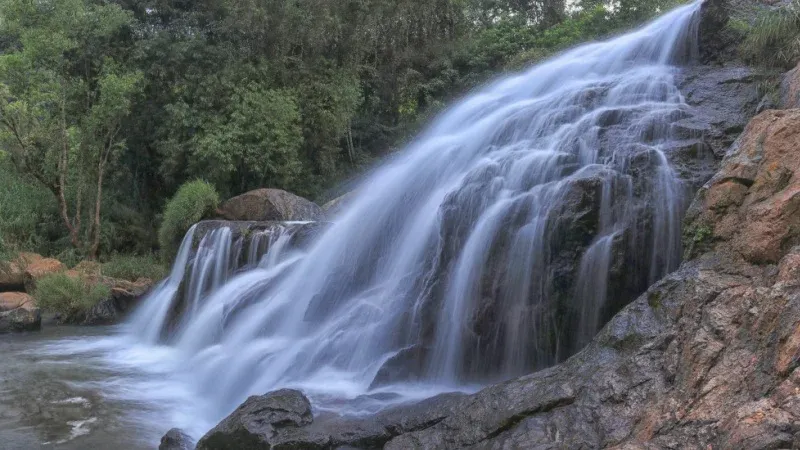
496	244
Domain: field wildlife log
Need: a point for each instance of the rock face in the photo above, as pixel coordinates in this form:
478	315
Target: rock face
754	200
269	205
257	423
176	439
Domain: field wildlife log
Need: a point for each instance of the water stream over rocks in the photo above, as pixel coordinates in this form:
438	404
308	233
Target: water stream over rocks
498	243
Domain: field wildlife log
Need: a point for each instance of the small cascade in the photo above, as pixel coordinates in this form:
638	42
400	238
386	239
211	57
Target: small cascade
202	267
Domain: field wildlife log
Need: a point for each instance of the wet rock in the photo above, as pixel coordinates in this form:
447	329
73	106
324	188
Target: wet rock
269	205
723	99
715	41
14	300
406	365
790	89
41	268
176	439
255	424
20	319
244	231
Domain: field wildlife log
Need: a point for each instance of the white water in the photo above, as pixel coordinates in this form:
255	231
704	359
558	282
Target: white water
468	223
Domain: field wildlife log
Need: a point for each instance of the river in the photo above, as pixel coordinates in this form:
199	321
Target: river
78	388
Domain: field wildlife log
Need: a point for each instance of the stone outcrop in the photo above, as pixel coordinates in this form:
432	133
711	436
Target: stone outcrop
20	319
176	439
258	423
264	205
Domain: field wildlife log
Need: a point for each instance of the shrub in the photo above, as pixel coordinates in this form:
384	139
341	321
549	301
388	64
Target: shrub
68	296
133	267
774	40
193	201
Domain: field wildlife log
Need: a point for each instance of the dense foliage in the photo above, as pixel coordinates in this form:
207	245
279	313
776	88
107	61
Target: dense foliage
108	107
193	201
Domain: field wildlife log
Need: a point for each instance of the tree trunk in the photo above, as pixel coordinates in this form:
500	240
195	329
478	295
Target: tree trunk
61	187
93	251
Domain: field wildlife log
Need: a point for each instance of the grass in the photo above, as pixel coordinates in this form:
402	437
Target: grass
62	294
133	267
774	39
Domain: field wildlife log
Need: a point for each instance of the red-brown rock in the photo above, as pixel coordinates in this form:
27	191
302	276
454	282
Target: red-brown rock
39	269
14	300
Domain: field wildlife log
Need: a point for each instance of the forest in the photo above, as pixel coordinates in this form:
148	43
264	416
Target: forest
108	107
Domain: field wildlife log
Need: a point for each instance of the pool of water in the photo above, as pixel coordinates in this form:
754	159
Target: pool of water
80	388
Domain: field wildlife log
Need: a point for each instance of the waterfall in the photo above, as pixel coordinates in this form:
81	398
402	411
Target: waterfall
497	243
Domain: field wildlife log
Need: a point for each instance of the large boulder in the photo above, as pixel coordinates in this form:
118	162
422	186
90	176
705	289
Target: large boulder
176	439
20	319
12	275
257	421
39	269
13	300
269	205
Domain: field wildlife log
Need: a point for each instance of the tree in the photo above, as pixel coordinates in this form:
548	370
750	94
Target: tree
62	100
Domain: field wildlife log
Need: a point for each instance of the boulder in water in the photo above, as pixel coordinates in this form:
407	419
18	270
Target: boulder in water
20	319
269	205
176	439
255	423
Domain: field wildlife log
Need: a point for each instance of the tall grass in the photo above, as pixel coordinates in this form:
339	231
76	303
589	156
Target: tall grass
774	39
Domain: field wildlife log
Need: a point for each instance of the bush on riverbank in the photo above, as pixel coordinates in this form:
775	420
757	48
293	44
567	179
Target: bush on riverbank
68	296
